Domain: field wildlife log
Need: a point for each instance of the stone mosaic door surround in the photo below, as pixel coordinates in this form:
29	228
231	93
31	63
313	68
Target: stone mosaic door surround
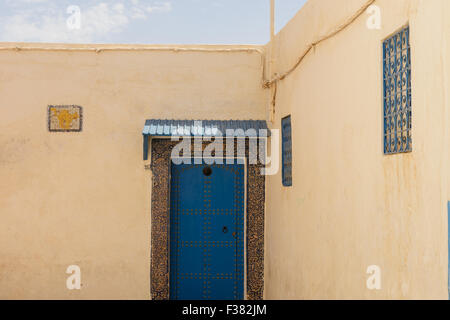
160	214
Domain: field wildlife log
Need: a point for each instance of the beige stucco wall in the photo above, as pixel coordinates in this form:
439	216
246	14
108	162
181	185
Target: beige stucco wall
350	206
84	198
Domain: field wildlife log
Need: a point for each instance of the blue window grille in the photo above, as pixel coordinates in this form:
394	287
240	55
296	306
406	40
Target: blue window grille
286	132
397	93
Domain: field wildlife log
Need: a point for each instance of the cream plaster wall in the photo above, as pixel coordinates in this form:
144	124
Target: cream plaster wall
84	198
350	206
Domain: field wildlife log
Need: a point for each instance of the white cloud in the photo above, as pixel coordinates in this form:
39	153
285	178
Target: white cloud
32	1
138	13
21	2
160	7
97	22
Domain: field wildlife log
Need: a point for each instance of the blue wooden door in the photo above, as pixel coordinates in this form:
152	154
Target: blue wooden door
206	232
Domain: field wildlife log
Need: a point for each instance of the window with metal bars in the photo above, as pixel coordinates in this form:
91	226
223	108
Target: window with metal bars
397	93
286	140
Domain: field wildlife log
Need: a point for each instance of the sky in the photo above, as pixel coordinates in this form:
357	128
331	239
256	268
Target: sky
142	21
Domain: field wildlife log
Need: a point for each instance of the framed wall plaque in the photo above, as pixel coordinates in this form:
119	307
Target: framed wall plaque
65	118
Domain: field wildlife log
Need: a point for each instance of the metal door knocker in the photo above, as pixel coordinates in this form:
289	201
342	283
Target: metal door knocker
224	229
207	171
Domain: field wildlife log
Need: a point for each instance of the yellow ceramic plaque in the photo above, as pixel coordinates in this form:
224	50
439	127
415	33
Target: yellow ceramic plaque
65	118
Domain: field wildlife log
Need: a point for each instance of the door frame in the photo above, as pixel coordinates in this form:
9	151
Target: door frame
254	208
